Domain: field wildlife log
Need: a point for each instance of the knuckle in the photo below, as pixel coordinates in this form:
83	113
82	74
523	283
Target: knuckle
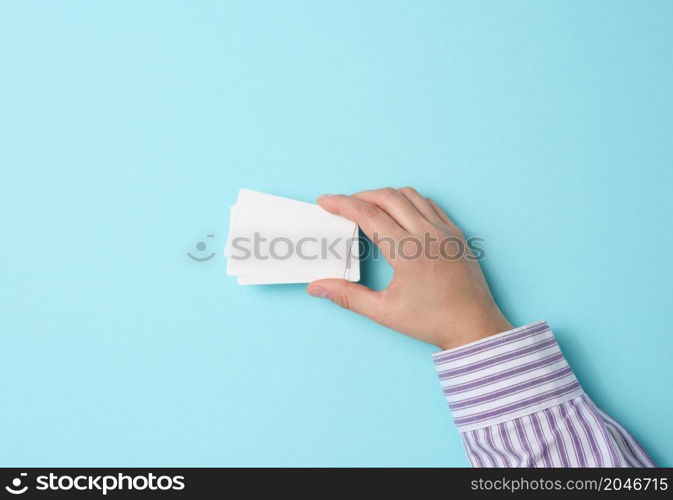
431	230
387	193
369	210
342	300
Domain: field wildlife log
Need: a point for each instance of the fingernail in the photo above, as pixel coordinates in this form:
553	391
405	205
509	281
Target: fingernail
316	291
326	196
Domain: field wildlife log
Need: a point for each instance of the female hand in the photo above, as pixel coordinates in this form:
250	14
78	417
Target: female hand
436	294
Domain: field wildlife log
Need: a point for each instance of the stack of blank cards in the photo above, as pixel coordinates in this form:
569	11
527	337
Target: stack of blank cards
274	240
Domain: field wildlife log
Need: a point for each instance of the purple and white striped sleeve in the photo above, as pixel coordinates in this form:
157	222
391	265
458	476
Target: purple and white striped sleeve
517	403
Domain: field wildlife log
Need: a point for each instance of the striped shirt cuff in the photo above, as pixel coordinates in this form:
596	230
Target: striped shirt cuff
505	376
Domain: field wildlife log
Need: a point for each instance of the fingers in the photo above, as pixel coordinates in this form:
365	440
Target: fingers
374	221
387	214
352	296
421	204
396	205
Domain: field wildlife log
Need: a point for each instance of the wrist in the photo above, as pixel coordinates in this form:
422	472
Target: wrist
475	330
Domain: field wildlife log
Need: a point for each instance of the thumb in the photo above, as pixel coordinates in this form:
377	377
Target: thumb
349	295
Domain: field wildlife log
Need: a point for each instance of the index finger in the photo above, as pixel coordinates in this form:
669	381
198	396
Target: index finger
374	221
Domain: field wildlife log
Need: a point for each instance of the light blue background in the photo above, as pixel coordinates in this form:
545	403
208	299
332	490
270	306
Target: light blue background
126	129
